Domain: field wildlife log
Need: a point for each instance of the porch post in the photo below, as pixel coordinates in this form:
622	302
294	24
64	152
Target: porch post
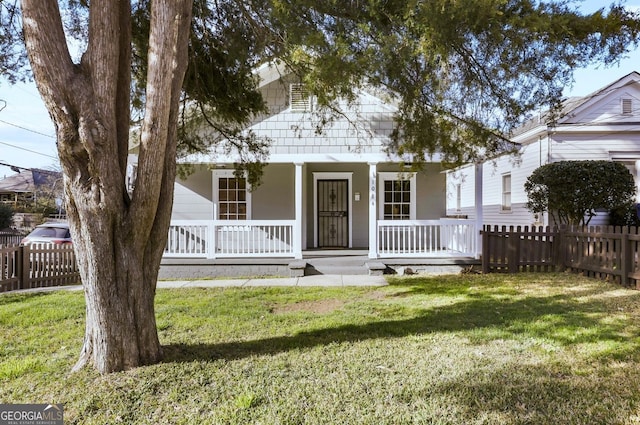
212	232
297	228
479	210
373	211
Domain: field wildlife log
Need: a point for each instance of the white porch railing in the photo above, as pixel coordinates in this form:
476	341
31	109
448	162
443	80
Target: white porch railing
230	238
427	238
276	238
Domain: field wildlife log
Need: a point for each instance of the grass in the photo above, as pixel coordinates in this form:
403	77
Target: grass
472	349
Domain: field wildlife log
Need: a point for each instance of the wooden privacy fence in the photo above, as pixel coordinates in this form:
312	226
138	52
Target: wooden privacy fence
37	266
601	251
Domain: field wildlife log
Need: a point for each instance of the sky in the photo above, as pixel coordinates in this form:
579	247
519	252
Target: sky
27	136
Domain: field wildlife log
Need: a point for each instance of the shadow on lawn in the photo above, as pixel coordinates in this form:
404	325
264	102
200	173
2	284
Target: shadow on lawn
561	319
543	393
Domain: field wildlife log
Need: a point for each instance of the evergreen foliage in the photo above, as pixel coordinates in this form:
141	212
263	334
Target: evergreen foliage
572	191
6	216
463	74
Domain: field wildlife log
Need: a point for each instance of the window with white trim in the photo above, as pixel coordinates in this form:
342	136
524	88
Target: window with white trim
506	192
397	196
231	196
458	197
299	98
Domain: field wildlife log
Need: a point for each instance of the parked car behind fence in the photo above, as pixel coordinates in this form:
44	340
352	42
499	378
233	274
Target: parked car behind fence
55	233
38	264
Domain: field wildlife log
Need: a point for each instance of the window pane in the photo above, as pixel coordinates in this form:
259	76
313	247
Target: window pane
506	192
232	199
397	199
388	197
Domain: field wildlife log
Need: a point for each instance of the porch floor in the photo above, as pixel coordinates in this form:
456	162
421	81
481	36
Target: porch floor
318	262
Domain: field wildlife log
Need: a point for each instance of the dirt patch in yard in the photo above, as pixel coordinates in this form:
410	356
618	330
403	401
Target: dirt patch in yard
377	295
320	307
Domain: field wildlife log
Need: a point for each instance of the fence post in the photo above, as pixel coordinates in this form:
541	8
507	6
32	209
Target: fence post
625	257
24	268
513	250
485	249
559	252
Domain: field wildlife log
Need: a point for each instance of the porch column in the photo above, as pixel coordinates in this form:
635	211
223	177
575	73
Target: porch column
297	228
479	209
373	210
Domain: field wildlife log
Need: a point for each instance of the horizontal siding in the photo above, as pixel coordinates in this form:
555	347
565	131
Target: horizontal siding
595	130
607	108
193	197
188	205
598	146
466	178
519	166
278	183
610	111
518	216
430	193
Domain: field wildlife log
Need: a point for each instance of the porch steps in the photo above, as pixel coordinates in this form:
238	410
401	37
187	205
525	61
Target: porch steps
366	266
340	265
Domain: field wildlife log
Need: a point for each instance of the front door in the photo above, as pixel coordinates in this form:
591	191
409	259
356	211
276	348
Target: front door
333	213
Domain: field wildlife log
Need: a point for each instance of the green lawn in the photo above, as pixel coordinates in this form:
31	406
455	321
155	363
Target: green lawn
471	349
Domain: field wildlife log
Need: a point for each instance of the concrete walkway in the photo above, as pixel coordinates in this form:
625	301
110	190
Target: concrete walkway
306	281
313	280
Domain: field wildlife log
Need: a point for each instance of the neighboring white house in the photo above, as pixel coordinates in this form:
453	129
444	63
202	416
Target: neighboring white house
337	188
602	126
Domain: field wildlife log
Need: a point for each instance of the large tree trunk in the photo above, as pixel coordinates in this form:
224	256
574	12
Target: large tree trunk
119	239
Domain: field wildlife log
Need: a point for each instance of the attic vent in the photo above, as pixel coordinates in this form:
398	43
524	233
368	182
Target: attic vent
299	98
627	106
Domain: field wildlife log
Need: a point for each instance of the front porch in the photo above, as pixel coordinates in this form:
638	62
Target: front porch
302	207
218	239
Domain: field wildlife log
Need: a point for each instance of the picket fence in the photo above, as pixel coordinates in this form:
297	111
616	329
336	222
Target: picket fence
605	252
37	266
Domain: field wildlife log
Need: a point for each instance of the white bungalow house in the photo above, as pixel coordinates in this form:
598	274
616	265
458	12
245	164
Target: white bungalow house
333	189
602	126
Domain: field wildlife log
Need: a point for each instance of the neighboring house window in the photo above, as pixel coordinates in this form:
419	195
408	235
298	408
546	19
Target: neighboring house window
299	98
231	196
506	192
627	106
398	195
